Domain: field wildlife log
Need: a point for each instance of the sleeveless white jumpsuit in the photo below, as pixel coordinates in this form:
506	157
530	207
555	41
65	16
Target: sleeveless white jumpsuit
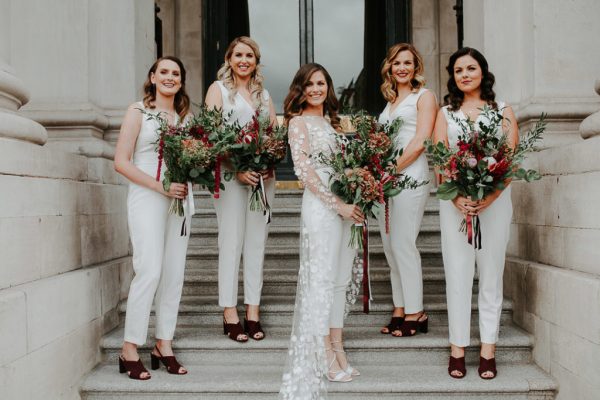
405	215
241	230
460	258
159	250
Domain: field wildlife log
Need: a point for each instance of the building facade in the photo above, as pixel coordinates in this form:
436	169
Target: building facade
70	68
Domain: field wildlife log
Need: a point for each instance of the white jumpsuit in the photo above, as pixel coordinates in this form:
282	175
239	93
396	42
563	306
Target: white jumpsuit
159	250
241	231
460	258
405	215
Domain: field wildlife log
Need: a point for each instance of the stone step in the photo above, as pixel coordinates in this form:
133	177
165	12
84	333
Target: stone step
287	259
365	346
207	381
206	218
285	198
200	281
285	236
278	311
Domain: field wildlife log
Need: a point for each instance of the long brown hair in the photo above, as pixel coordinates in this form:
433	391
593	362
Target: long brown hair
182	100
388	87
455	96
295	101
225	73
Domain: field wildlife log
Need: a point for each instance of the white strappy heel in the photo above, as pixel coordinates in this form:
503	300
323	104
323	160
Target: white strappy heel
350	370
339	375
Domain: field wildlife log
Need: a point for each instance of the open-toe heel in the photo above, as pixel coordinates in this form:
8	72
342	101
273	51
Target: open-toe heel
394	325
338	375
411	328
486	365
235	331
457	364
253	328
134	369
350	370
170	362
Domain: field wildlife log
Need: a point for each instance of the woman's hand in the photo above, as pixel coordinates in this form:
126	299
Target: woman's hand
176	190
266	173
353	212
484	203
465	205
248	177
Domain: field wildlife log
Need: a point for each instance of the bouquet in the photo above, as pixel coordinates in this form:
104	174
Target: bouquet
364	172
481	163
191	152
257	146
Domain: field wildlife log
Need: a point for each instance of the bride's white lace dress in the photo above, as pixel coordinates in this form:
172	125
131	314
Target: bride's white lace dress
304	376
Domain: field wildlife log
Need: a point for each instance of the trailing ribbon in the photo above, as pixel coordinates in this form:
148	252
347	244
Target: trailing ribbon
217	177
259	190
189	209
366	281
473	230
161	147
387	216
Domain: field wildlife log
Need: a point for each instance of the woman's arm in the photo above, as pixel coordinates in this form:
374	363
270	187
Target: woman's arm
303	167
426	116
440	134
213	97
130	129
510	128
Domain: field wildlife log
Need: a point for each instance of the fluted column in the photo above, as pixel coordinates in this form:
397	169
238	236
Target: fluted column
13	94
590	126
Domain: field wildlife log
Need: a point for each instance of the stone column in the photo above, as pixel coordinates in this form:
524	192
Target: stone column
590	126
13	94
85	62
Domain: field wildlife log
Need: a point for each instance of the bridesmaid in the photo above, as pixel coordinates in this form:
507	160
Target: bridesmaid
325	258
159	250
239	90
403	88
470	88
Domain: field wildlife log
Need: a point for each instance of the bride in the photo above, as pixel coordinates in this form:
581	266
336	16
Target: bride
316	349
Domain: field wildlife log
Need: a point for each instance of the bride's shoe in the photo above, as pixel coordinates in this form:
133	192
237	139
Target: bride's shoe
338	375
350	370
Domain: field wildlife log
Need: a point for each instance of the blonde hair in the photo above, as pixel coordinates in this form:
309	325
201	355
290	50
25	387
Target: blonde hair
255	86
388	87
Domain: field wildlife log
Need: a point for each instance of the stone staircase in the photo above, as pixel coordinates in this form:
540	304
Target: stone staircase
391	367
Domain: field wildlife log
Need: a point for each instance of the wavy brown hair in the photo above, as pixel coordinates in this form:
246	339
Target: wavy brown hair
225	73
182	100
455	96
388	87
295	101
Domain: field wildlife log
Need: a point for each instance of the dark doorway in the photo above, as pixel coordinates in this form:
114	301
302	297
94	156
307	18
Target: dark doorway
294	32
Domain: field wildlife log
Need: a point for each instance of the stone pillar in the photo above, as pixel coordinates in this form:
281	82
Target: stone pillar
13	94
85	62
590	126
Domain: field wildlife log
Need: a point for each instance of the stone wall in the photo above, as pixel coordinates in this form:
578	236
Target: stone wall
434	34
63	226
541	55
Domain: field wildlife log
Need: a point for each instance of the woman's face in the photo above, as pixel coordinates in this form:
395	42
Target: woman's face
166	78
403	67
315	90
467	74
242	60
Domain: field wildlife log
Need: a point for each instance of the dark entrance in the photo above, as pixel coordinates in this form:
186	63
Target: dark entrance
349	37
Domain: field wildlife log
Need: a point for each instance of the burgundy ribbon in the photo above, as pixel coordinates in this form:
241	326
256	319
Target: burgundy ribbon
217	177
161	146
387	216
366	285
469	219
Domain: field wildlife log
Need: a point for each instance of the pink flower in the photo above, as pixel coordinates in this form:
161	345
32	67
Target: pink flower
472	162
248	138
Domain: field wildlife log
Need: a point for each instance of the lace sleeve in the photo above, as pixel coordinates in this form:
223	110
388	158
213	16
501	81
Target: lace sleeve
303	165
